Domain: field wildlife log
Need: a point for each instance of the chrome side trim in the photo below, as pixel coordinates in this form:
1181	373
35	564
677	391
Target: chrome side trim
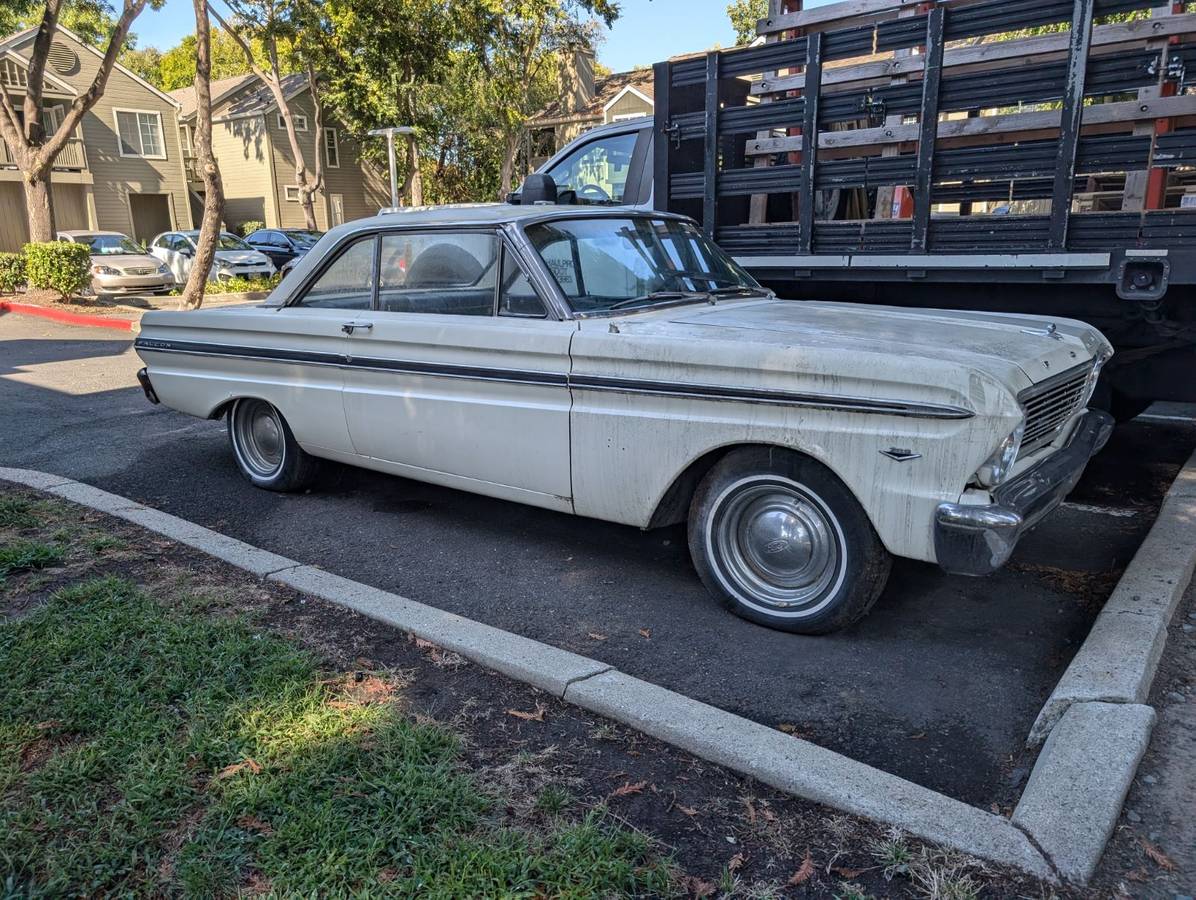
575	382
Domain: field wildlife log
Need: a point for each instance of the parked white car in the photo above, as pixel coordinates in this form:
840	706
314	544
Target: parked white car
618	365
234	258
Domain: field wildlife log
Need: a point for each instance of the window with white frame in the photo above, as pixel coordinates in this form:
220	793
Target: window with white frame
292	192
140	133
332	148
299	119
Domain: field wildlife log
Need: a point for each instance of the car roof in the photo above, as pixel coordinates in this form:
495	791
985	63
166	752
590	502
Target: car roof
493	214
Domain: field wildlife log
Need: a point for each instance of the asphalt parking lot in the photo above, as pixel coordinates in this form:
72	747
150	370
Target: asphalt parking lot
939	684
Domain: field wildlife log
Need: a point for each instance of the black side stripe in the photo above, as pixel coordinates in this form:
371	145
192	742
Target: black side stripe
578	382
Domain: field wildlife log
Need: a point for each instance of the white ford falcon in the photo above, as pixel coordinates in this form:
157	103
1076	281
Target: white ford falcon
618	365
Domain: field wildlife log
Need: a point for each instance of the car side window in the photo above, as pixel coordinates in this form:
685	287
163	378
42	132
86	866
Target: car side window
445	273
596	173
516	296
347	283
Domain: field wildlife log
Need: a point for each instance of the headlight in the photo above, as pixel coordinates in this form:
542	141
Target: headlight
996	468
104	270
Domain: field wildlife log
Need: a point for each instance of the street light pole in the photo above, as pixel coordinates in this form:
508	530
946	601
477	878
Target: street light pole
390	133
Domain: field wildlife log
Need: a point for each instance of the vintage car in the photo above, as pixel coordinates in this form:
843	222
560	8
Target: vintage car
617	364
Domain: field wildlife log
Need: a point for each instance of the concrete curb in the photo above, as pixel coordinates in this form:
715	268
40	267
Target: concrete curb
69	318
785	762
1118	659
1074	796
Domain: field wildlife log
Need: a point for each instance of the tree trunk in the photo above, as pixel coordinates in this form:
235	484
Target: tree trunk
213	201
39	206
413	186
507	173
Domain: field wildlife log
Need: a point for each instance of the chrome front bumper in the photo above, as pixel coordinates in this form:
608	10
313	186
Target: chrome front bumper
978	540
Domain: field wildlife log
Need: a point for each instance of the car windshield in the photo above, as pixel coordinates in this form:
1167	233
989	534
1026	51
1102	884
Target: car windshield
603	264
304	239
109	244
226	241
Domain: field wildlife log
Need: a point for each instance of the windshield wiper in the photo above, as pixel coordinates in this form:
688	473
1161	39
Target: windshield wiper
658	296
732	290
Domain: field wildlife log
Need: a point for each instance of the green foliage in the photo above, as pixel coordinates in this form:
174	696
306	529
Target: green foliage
744	14
12	271
16	513
147	63
247	228
22	556
61	266
177	67
154	749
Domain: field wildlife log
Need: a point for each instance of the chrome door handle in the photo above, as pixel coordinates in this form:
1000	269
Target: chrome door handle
350	327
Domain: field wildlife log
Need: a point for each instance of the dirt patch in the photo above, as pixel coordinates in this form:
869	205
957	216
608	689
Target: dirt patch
728	835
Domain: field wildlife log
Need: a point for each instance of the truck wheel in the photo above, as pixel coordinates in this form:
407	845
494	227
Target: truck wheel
265	449
780	541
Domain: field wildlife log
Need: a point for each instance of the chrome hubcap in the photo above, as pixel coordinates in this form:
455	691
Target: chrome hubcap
259	435
777	544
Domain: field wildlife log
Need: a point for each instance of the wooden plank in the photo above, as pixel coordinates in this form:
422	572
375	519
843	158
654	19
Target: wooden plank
1006	125
835	12
928	128
758	203
1045	46
805	210
1069	128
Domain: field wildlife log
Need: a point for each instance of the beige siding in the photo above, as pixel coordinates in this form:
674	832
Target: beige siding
362	186
242	151
117	176
628	105
70	212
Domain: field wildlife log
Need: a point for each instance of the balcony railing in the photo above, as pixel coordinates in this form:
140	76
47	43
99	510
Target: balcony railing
191	165
72	158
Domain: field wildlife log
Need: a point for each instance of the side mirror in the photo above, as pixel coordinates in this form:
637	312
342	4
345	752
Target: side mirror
186	252
538	188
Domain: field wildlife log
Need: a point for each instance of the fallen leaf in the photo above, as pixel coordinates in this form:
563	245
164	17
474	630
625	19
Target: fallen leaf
253	823
688	810
917	737
229	771
804	871
646	633
424	645
849	874
47	725
388	875
628	788
537	715
1160	858
595	636
751	810
696	887
1139	875
736	863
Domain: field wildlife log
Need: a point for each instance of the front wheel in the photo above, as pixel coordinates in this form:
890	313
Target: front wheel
265	449
780	541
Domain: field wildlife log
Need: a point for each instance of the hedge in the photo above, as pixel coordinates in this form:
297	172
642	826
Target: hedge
12	271
61	266
247	228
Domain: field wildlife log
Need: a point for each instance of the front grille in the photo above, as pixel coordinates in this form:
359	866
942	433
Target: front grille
1050	405
143	271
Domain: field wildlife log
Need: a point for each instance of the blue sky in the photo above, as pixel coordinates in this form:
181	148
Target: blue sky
647	32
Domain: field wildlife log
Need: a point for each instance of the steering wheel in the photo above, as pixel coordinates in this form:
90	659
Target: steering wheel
593	193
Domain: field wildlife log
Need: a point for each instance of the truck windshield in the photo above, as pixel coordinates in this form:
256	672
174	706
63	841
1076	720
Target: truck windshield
603	264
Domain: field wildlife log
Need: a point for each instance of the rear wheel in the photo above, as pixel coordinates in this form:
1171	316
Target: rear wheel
782	542
265	449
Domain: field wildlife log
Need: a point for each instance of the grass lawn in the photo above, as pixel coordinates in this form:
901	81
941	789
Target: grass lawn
149	746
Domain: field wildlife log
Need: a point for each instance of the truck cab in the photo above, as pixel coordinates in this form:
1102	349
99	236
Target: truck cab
608	166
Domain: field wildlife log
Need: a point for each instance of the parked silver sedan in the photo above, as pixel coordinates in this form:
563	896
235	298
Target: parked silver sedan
119	266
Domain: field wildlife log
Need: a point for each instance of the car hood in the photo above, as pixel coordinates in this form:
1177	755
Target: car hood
1040	346
127	261
241	257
